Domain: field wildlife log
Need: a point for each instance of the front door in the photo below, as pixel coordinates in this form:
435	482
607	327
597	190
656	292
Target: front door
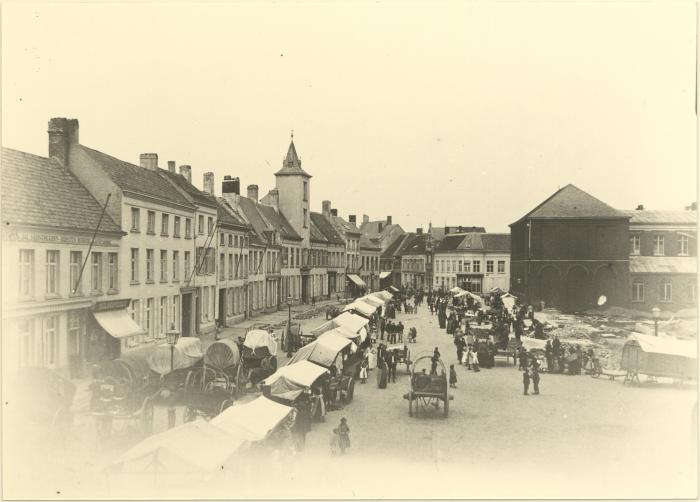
186	321
222	307
305	288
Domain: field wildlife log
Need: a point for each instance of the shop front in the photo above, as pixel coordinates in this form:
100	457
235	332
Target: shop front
470	282
108	330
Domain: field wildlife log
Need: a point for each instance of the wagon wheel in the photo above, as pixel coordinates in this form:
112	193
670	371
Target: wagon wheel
104	428
190	414
410	403
225	404
446	411
350	390
147	416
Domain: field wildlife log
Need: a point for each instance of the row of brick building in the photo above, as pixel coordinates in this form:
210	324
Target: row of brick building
101	255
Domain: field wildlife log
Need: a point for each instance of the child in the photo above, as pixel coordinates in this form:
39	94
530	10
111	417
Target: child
363	371
335	442
453	376
343	435
470	356
475	362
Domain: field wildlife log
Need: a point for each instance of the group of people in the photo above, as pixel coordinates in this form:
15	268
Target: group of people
393	330
574	361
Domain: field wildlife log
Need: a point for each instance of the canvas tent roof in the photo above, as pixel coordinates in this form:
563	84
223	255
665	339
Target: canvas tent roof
351	321
665	345
323	351
373	301
384	295
260	338
362	307
290	381
188	351
253	420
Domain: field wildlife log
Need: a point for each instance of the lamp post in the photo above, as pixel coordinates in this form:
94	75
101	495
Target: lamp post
656	312
289	326
172	336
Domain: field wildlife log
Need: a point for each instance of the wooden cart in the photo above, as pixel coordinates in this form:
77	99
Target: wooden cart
428	389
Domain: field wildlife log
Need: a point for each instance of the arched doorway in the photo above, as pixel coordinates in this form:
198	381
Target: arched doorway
604	285
577	289
550	290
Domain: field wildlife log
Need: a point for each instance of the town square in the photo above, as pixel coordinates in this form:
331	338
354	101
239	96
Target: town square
371	272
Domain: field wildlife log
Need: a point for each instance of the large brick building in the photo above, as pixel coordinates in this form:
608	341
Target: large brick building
570	250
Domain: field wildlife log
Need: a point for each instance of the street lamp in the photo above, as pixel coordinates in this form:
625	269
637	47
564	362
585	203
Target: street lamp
655	313
172	336
289	326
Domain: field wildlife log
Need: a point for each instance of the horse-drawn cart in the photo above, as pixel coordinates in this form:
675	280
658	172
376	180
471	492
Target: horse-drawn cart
428	388
258	360
402	354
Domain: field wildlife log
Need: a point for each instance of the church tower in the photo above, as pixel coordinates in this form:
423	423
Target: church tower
294	186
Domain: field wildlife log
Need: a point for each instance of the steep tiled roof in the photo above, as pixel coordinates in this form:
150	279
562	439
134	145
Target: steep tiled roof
198	196
39	191
371	228
291	163
254	218
227	216
395	248
315	234
366	243
572	202
663	265
476	241
327	228
416	245
647	216
134	178
279	222
345	226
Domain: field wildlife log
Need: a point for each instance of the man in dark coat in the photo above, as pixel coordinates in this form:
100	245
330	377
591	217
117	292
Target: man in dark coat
526	381
536	377
549	356
391	363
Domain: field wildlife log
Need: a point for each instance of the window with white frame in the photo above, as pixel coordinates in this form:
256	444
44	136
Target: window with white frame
477	266
187	265
163	265
635	244
205	304
683	245
637	291
163	317
658	245
52	272
489	266
151	222
50	339
148	317
96	272
76	262
135	219
27	343
692	298
134	265
113	272
75	332
467	266
501	266
175	317
149	265
164	224
176	226
26	273
176	265
666	293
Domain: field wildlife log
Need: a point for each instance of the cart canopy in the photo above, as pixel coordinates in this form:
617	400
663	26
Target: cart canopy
665	345
373	301
289	382
351	321
253	420
362	307
383	295
323	351
260	338
192	446
187	353
660	356
456	290
222	354
508	301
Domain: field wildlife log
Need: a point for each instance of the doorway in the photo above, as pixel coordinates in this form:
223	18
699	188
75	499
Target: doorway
222	307
186	321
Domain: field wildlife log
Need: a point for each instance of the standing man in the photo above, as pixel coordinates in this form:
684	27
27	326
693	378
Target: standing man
549	356
526	381
535	377
391	363
556	354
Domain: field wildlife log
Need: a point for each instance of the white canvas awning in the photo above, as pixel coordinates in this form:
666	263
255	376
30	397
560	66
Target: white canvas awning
372	300
384	275
356	279
383	295
362	307
665	345
303	373
253	420
351	321
260	338
118	323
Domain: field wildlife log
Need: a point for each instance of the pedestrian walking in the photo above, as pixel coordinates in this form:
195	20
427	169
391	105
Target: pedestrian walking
475	361
549	356
526	381
453	376
535	378
363	370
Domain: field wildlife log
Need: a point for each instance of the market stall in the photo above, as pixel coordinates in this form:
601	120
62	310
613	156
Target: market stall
659	356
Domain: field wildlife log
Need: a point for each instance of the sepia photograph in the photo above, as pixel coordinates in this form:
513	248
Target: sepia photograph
320	250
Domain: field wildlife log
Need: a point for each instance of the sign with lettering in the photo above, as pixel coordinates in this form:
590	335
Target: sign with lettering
43	237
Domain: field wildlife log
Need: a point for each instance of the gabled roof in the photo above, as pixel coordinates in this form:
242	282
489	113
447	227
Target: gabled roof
315	234
291	165
277	220
132	178
227	216
647	216
344	226
475	241
372	229
38	191
255	218
197	195
327	228
395	247
572	202
366	243
416	245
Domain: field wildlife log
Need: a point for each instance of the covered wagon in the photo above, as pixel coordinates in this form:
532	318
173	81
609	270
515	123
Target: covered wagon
659	356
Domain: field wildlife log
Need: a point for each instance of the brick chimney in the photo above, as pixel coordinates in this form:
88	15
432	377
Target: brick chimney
273	198
186	171
352	219
231	185
419	231
149	161
208	183
640	207
381	226
326	207
171	166
365	218
334	212
388	220
253	192
63	133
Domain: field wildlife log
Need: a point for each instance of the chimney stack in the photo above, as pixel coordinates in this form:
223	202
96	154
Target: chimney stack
365	218
231	185
381	226
326	205
388	220
253	192
186	171
273	198
419	231
63	133
352	219
149	161
171	166
334	212
208	183
640	207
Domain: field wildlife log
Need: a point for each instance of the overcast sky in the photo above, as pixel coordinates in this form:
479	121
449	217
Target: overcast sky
455	113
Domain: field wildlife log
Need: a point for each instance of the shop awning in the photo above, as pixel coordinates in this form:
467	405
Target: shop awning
364	308
384	275
118	323
356	279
